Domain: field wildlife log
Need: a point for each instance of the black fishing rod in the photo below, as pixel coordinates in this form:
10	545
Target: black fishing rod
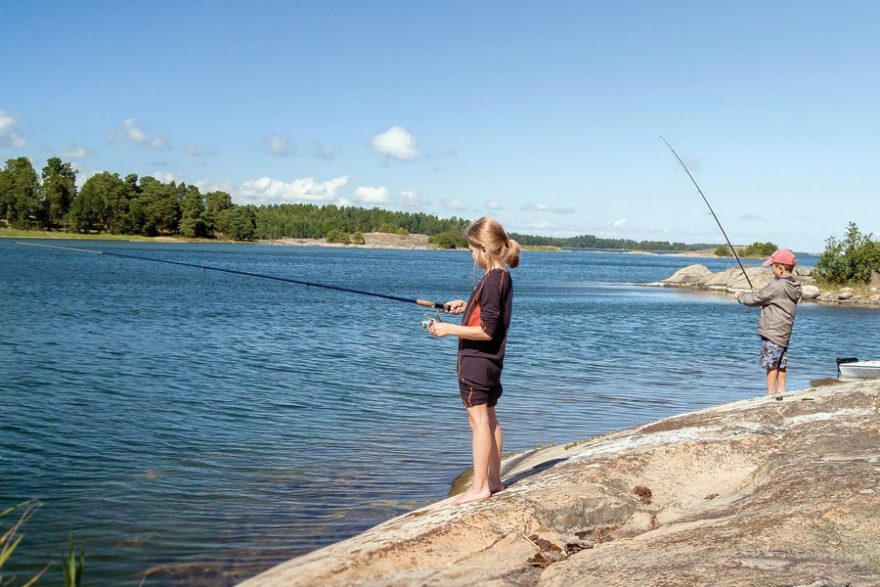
425	303
732	250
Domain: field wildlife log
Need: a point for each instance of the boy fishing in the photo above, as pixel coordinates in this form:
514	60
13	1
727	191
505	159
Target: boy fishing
778	301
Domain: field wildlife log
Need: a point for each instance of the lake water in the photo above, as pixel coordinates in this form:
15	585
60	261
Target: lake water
197	427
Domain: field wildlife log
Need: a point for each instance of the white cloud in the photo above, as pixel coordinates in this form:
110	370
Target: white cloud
411	200
494	206
620	223
454	204
396	142
546	208
274	191
541	225
165	176
82	175
130	130
206	186
371	195
75	153
9	136
194	151
279	145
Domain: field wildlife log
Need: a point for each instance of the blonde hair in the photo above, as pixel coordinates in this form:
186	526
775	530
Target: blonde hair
488	234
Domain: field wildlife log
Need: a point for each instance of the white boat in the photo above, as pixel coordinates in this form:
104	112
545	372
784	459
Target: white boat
855	369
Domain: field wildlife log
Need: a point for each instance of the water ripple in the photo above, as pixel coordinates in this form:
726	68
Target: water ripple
169	416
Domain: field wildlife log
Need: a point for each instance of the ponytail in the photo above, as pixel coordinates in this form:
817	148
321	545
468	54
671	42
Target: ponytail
511	255
488	233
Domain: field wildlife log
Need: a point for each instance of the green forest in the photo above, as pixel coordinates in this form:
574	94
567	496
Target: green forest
132	205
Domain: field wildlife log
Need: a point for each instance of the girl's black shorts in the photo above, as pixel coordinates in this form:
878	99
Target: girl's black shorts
472	395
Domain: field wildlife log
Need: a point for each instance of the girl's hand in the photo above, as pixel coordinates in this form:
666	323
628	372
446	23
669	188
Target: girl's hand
455	306
440	329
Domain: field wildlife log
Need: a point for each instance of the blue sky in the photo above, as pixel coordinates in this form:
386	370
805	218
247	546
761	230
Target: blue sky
545	115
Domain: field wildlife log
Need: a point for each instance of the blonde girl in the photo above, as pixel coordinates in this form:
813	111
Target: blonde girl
482	339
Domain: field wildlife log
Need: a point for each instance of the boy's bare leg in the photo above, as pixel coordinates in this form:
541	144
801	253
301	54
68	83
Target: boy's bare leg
495	484
780	380
482	442
772	375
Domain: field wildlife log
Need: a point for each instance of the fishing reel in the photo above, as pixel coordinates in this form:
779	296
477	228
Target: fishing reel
428	320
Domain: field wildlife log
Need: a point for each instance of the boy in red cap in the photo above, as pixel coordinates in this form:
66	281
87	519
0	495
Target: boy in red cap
778	300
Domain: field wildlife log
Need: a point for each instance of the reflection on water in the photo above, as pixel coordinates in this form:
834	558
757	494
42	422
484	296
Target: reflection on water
201	426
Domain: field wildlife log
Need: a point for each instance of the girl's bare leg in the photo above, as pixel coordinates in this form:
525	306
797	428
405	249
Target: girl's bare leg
482	443
495	484
780	380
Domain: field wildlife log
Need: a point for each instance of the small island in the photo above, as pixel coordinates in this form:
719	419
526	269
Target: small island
732	280
847	273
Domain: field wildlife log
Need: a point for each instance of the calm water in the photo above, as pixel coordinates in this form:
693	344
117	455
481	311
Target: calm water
189	424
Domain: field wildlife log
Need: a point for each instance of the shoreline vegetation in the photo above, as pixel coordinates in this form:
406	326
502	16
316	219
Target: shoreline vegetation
108	203
134	207
376	239
371	240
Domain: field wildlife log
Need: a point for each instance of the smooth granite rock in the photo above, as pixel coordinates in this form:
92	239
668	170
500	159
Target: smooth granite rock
732	280
755	493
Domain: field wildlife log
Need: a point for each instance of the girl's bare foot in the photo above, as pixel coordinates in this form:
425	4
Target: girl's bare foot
496	487
472	495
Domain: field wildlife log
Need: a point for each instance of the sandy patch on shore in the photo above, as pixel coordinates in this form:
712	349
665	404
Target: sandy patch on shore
372	240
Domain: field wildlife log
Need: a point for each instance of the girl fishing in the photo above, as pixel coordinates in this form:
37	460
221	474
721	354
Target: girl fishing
482	337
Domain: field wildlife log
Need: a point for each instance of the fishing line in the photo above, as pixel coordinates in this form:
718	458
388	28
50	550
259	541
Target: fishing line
732	250
425	303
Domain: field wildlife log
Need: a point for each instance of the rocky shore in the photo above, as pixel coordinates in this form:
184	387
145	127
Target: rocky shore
756	492
732	280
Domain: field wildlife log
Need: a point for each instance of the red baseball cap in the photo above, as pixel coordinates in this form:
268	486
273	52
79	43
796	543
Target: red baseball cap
783	257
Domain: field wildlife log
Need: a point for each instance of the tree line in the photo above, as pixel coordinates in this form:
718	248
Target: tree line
756	249
110	203
588	241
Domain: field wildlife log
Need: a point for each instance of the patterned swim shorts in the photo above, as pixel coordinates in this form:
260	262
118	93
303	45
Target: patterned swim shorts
773	356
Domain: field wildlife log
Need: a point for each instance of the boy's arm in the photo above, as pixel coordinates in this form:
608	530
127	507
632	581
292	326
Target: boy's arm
762	297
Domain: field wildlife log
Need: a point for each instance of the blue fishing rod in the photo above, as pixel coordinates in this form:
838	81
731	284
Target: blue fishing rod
732	250
425	303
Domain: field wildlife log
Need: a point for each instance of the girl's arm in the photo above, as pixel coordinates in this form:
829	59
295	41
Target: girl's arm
465	332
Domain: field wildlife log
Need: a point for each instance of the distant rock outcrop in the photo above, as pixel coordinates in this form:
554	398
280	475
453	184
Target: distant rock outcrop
757	492
690	275
732	280
811	292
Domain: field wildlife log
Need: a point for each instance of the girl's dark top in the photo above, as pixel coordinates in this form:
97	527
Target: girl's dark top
489	307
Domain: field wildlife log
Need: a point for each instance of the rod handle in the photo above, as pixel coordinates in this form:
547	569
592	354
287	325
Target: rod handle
430	304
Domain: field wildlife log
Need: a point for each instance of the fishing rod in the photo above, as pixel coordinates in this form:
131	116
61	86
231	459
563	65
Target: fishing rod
732	250
426	303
